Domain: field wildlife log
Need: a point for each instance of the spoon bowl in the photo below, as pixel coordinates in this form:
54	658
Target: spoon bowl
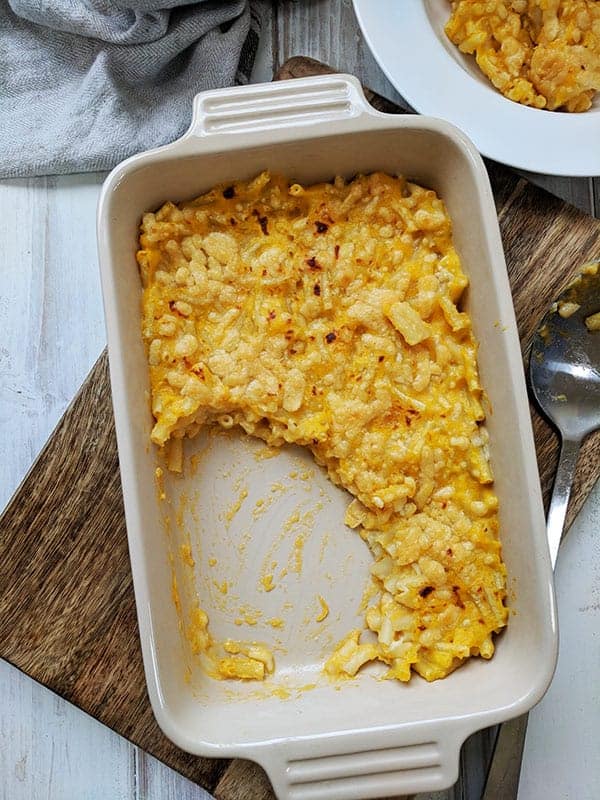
564	367
564	370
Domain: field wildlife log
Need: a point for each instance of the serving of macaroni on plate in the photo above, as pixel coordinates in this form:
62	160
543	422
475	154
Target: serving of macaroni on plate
329	316
541	53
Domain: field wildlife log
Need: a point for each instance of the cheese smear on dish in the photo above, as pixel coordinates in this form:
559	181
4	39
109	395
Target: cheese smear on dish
329	316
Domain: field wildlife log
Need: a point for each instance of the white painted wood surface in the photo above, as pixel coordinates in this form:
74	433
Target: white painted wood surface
50	749
562	754
50	310
52	331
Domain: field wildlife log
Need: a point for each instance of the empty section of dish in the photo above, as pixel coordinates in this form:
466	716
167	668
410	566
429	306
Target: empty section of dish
258	541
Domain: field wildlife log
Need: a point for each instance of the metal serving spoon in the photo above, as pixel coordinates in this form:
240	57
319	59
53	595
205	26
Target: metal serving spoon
564	371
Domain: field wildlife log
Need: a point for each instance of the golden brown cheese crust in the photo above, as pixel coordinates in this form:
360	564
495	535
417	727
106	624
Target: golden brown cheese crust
542	53
327	316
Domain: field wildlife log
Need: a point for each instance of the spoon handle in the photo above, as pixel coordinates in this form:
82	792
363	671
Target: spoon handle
561	493
505	767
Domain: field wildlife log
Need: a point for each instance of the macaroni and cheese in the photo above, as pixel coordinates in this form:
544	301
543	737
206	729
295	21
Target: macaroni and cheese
329	316
542	53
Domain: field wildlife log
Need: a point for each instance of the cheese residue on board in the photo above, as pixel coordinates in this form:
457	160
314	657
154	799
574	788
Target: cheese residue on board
329	316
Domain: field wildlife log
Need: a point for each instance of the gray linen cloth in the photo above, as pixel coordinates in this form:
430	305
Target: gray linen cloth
85	83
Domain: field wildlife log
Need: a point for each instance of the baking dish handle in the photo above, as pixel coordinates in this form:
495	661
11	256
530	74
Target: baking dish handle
365	764
280	105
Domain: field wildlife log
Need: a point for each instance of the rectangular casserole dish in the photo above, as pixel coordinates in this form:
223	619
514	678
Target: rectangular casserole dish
316	740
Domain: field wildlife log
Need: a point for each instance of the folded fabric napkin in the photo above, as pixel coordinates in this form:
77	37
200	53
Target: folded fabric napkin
85	83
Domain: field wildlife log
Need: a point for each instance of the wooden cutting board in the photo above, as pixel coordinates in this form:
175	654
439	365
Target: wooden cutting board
67	614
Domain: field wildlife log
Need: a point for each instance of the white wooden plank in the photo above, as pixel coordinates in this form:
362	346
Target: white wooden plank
52	332
155	781
50	310
50	749
579	192
562	756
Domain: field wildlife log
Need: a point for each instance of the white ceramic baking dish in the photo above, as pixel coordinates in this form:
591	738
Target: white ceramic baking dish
364	738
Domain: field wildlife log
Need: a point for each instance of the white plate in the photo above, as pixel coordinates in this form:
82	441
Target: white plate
407	38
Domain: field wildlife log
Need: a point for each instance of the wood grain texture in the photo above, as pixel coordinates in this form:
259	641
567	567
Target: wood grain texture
67	613
51	316
244	780
326	30
578	192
